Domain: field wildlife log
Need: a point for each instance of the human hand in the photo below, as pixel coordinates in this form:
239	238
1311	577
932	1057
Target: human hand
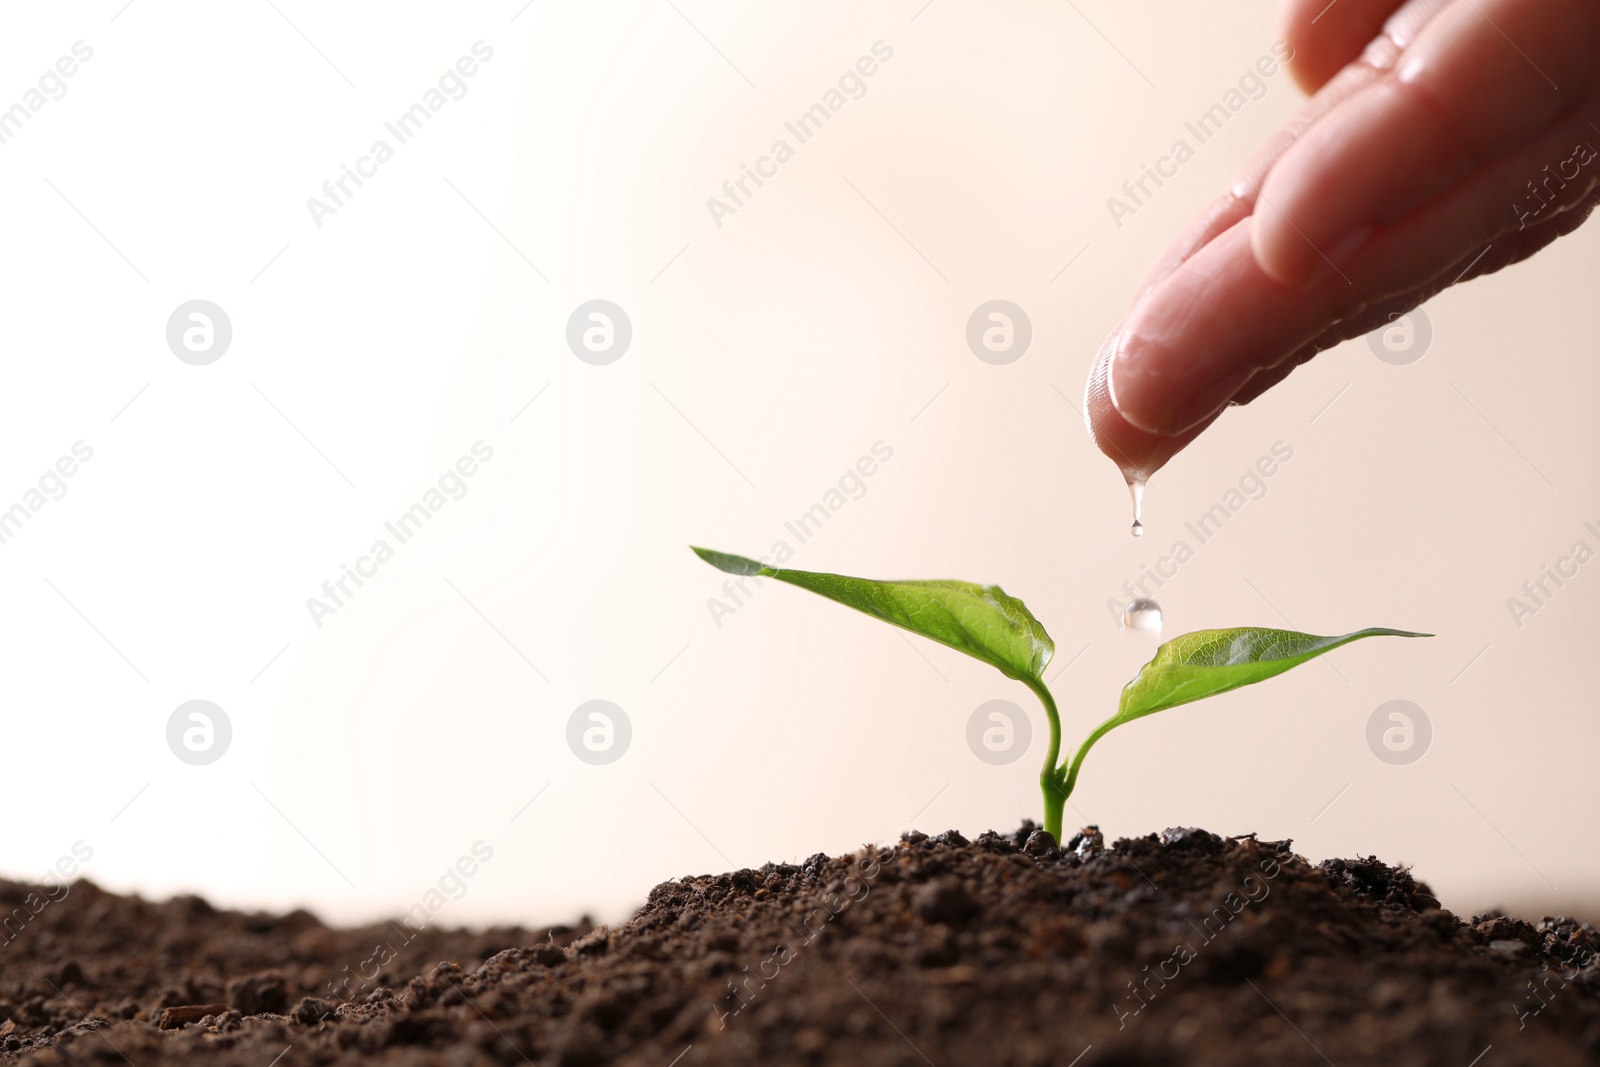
1446	139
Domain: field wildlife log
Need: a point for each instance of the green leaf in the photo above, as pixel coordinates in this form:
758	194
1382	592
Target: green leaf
1208	662
981	621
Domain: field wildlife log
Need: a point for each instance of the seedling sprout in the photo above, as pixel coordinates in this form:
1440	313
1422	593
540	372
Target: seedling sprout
988	625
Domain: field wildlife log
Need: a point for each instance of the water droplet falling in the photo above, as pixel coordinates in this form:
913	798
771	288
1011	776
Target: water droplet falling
1136	490
1142	615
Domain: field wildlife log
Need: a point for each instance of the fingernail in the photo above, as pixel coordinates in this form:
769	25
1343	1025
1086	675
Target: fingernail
1335	254
1159	406
1121	384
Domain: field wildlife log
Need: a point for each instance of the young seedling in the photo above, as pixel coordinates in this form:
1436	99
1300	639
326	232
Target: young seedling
988	625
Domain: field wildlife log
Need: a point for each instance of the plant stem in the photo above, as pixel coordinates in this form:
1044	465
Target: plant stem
1056	783
1054	801
1083	749
1050	777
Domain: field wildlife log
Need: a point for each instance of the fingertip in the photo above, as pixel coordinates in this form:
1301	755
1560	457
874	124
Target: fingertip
1137	453
1150	400
1326	37
1286	256
1277	245
1307	66
1266	247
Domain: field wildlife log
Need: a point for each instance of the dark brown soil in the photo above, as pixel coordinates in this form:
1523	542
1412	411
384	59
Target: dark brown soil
1182	948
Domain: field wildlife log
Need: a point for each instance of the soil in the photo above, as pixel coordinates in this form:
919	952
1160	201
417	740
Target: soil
1172	949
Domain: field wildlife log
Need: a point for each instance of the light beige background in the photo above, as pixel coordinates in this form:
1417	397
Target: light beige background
768	354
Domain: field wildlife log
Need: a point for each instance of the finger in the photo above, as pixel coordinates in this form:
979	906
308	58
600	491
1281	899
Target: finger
1511	249
1136	453
1240	199
1498	207
1218	320
1194	341
1379	58
1328	35
1478	78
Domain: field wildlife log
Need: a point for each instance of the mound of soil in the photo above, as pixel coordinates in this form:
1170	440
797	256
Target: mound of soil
1171	949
